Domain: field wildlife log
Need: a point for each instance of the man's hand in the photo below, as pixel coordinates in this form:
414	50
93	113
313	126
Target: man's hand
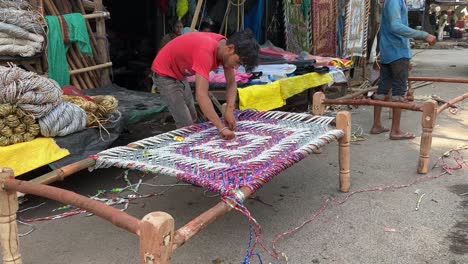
226	133
230	120
431	39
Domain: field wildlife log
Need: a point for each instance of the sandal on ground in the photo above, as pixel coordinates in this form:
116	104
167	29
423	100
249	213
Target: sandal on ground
406	135
380	131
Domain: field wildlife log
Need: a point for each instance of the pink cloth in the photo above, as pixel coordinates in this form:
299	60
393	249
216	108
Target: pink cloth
278	52
220	78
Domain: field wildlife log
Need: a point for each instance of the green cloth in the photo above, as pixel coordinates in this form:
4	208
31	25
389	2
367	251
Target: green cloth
57	49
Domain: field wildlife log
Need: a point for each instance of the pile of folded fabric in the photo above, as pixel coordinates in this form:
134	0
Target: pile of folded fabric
21	31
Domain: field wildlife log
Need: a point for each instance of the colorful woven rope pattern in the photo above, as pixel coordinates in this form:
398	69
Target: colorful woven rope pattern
266	143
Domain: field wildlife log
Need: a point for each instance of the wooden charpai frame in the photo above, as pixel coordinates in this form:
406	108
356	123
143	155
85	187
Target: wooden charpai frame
158	239
430	110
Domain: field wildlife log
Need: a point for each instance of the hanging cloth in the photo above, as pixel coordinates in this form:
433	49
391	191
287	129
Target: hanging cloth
59	43
182	7
162	6
253	19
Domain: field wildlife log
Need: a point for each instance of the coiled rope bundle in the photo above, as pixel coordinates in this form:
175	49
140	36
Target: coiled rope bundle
32	93
16	126
99	111
63	120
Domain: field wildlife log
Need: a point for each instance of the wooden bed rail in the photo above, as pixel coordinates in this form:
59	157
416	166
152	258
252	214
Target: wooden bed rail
429	110
156	230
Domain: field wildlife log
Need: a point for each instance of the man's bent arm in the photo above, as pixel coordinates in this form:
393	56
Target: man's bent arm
231	88
204	101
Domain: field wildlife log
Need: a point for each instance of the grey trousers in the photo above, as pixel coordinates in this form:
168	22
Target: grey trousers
178	97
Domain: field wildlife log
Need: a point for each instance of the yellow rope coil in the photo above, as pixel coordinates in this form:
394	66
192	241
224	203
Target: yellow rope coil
16	126
98	110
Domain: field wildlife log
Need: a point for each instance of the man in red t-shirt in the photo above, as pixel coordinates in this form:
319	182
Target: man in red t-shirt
197	54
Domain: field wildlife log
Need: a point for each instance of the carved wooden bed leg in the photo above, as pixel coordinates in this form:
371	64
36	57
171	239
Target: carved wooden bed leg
8	227
343	122
318	108
156	238
428	121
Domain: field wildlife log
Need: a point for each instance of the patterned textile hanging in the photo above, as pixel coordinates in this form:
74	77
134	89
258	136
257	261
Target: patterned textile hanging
356	28
296	27
324	27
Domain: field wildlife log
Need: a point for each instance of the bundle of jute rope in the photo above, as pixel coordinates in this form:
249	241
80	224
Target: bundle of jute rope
17	4
32	93
98	111
32	21
16	126
63	120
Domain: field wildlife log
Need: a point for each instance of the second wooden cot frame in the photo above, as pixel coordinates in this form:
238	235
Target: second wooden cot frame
158	238
430	110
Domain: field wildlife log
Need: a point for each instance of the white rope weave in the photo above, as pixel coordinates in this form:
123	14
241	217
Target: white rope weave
161	154
63	120
34	94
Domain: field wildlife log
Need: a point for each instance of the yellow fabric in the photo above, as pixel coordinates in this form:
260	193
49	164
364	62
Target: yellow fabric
273	95
297	84
261	97
27	156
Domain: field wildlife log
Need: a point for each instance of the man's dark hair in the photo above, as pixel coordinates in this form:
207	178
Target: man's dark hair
246	47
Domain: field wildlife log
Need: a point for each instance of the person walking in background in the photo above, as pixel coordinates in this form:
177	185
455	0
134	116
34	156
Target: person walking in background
395	55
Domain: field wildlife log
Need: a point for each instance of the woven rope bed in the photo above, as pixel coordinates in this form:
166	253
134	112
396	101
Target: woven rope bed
266	143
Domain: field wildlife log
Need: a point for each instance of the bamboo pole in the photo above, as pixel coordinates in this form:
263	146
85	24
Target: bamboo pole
73	51
343	122
196	15
102	44
72	66
452	102
437	79
401	105
91	68
428	121
97	15
8	228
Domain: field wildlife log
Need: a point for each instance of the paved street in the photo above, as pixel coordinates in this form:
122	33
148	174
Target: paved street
370	227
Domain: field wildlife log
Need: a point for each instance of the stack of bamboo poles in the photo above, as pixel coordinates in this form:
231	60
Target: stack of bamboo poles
86	72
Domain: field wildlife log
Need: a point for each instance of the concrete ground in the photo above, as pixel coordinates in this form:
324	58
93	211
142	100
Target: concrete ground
371	227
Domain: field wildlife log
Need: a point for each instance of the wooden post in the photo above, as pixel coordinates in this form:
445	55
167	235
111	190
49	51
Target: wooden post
156	238
343	122
196	15
8	228
102	44
318	108
428	121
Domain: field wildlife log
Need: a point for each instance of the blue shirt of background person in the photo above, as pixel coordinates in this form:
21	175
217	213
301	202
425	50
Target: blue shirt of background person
395	33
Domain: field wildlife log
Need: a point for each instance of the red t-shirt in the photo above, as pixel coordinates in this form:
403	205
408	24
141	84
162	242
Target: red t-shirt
188	54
